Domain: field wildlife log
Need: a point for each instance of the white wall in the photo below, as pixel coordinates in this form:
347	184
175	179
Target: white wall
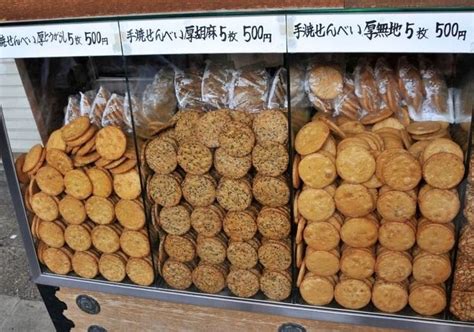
20	123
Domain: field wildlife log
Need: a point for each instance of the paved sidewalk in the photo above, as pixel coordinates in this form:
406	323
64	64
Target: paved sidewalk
21	307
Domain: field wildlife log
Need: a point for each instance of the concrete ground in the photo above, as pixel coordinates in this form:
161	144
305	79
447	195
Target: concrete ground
21	307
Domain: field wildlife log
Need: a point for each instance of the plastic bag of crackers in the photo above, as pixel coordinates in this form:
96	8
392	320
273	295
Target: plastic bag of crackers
83	195
375	207
221	201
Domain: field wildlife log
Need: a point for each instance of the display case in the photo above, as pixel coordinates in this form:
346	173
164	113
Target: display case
171	163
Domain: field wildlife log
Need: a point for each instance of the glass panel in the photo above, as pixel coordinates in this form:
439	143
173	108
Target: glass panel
379	139
81	183
216	165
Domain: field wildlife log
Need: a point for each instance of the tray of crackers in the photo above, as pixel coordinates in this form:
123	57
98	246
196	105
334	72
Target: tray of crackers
220	194
83	195
378	201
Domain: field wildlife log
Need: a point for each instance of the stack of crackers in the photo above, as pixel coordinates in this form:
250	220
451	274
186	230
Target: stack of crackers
221	201
83	190
375	212
462	295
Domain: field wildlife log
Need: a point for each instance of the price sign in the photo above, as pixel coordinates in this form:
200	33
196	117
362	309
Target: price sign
229	34
375	32
59	40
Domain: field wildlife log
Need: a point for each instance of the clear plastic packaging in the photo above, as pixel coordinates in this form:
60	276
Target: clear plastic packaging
277	95
249	89
298	96
114	113
410	86
98	107
216	83
347	102
156	106
87	98
188	87
323	84
366	86
387	85
436	105
72	110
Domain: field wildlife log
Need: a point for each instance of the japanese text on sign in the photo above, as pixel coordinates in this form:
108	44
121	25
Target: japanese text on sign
60	40
421	32
206	35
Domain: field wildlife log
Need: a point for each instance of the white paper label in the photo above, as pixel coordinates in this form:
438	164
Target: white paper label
387	32
228	34
60	40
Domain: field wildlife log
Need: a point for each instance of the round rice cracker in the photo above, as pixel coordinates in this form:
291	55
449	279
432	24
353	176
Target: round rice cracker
135	243
311	137
210	125
271	191
72	210
234	195
352	293
355	164
51	233
101	182
317	170
100	210
111	143
32	158
390	123
59	160
321	235
130	214
354	200
359	232
322	262
357	263
397	235
237	139
105	239
50	181
58	260
75	128
443	170
389	296
78	237
271	126
427	300
85	264
112	266
127	185
243	283
442	145
77	184
160	155
276	285
78	142
270	158
209	278
439	205
317	290
164	190
55	141
175	220
325	82
435	238
423	127
396	205
140	271
44	206
177	275
231	167
402	172
185	129
199	190
315	204
194	158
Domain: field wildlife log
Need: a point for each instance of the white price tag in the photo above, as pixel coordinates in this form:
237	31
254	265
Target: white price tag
225	34
382	32
60	40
